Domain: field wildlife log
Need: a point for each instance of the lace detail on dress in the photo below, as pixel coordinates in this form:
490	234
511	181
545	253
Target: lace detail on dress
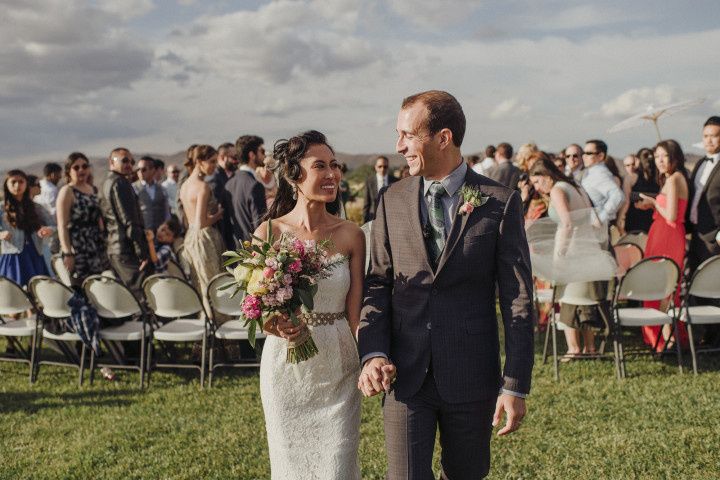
317	399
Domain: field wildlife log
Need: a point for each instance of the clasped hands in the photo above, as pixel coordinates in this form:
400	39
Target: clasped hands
377	375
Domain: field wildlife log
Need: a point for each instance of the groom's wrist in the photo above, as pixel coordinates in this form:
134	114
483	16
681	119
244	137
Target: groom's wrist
505	391
370	356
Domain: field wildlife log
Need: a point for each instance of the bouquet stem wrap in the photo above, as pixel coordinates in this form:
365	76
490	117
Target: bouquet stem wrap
302	348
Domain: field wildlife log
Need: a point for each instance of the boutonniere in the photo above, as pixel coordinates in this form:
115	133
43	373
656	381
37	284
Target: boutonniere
472	198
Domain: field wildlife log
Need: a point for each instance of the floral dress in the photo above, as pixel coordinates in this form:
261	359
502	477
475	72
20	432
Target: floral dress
86	237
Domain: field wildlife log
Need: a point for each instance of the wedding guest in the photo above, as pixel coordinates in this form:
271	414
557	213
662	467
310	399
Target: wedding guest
704	212
505	172
475	163
264	175
488	162
566	196
80	224
227	165
170	185
535	203
373	185
625	184
523	154
574	161
203	245
247	195
559	160
160	245
159	171
48	187
344	187
643	180
404	172
21	231
126	244
667	233
607	197
152	198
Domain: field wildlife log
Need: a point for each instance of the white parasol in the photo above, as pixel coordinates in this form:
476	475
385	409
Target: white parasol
653	114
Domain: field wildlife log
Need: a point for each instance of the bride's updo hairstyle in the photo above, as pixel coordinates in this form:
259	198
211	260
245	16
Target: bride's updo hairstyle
288	154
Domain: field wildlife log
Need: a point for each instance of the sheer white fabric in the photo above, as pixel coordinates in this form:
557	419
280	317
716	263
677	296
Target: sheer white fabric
312	410
571	251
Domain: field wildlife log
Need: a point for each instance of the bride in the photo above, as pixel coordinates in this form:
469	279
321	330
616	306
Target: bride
312	409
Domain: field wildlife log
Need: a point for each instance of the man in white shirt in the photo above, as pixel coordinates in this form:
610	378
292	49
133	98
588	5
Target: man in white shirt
49	189
171	185
488	162
607	197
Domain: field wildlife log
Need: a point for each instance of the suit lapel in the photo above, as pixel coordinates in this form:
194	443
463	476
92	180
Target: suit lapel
714	172
414	193
459	222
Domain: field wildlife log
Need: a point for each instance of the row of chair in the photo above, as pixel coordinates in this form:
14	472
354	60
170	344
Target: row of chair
168	298
650	279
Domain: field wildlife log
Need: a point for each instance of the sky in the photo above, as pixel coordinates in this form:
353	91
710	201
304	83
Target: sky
158	75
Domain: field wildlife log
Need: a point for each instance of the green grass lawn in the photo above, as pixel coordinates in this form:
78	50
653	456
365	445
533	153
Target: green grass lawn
655	424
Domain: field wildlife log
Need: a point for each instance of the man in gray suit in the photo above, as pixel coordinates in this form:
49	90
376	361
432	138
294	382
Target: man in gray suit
505	172
428	317
153	200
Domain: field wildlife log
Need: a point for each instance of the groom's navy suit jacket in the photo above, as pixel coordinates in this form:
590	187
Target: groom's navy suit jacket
446	317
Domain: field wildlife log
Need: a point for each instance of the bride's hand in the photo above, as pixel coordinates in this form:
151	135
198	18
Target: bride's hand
285	328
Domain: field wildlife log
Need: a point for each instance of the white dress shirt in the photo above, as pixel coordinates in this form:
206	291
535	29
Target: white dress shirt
48	196
607	197
701	179
382	181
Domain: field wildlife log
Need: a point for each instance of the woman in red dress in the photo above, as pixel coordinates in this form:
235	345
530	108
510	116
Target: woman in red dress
667	232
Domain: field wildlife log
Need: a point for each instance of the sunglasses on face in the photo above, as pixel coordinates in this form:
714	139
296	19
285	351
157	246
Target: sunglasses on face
124	160
590	154
573	155
175	172
83	166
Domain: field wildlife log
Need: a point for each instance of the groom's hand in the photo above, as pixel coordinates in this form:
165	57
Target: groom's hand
376	376
514	408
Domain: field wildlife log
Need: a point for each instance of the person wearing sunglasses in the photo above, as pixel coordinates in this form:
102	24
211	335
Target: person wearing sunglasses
153	200
574	161
126	243
80	225
170	184
374	184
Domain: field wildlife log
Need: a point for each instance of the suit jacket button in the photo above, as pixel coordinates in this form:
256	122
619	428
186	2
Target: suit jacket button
429	325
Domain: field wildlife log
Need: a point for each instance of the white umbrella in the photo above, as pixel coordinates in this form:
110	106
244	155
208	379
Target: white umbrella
652	114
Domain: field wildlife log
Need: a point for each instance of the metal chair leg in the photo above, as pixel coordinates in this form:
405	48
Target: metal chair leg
33	343
210	366
677	345
92	366
547	342
81	365
202	362
556	362
616	352
693	354
141	361
148	362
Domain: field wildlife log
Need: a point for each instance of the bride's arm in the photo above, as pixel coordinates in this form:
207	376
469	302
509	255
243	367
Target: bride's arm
353	303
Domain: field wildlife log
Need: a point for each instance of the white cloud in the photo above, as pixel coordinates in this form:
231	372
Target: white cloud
435	14
127	9
510	108
637	100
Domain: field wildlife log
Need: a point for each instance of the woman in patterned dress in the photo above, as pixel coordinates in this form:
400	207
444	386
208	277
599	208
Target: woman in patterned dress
80	225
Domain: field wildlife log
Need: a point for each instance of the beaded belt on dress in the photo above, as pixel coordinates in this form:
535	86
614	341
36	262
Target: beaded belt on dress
321	318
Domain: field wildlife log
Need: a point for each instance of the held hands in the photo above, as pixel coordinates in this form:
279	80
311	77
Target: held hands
377	375
514	408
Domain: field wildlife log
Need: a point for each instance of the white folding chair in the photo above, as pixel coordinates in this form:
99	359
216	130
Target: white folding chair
654	278
221	302
635	237
174	269
51	300
112	300
60	270
627	256
705	283
15	301
171	297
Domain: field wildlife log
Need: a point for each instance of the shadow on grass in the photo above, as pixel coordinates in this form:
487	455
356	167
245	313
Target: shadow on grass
36	401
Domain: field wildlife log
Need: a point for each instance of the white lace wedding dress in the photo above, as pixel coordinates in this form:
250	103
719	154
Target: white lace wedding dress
312	414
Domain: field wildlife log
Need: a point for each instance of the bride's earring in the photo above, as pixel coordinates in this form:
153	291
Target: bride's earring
294	189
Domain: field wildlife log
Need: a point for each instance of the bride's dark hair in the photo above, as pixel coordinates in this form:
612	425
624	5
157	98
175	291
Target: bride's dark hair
287	155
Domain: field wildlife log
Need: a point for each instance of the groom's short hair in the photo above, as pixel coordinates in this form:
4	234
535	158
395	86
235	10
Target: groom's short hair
444	111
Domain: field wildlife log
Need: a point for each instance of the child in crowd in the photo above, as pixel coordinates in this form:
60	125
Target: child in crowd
161	245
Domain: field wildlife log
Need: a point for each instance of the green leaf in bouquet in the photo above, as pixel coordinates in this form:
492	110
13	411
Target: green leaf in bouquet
294	318
226	286
251	332
306	297
231	261
231	253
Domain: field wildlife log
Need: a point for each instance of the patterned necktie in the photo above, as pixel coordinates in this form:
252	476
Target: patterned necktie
436	217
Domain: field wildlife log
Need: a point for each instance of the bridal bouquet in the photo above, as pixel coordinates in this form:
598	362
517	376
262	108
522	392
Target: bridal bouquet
279	277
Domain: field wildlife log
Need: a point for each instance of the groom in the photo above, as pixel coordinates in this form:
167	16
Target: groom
429	308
